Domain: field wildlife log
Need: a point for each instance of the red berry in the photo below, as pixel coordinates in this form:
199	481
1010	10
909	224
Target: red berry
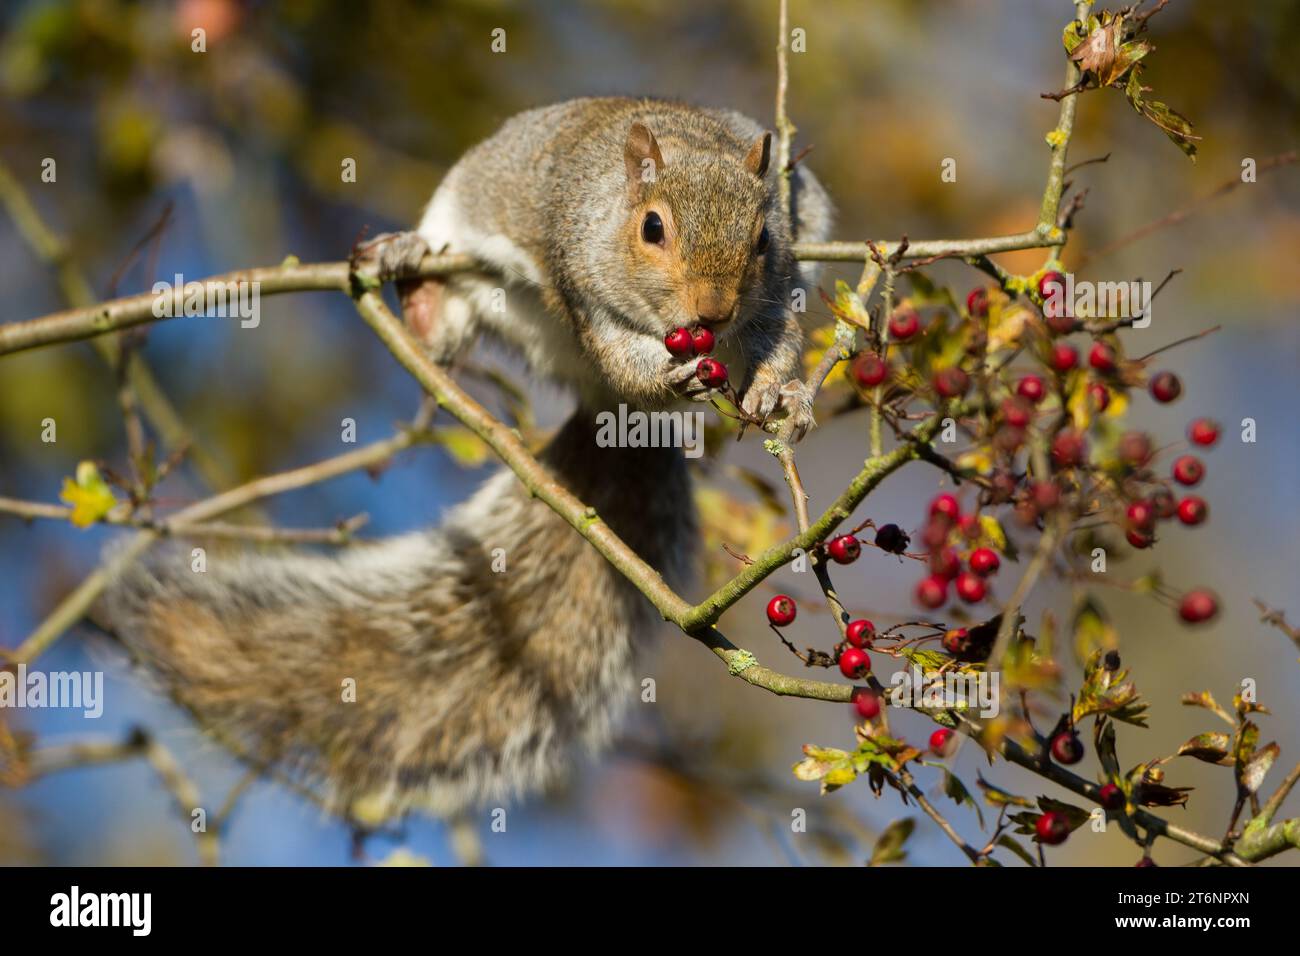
1193	510
680	343
971	587
892	539
1064	357
969	525
977	302
932	592
1016	413
1146	861
1045	495
860	633
940	742
1099	395
870	370
956	641
1141	516
1068	449
1188	470
1067	748
951	382
711	372
781	610
1102	357
867	703
1051	289
945	505
702	339
1031	388
1197	606
1052	828
844	549
1140	539
945	564
1165	387
1134	449
904	324
854	662
1111	797
1162	500
984	561
1203	431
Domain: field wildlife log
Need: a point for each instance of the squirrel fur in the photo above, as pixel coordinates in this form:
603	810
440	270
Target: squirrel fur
472	686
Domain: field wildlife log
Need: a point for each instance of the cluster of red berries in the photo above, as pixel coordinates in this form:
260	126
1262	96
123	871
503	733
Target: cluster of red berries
688	343
945	565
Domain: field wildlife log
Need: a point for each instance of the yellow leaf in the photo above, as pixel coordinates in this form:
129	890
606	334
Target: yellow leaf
993	531
89	495
463	445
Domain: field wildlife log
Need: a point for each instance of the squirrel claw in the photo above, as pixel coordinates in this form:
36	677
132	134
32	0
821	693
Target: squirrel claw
791	401
390	255
684	381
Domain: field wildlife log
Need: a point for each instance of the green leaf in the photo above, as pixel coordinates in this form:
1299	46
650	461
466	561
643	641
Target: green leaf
999	797
1206	700
1012	844
1212	747
1172	123
954	789
889	845
1108	692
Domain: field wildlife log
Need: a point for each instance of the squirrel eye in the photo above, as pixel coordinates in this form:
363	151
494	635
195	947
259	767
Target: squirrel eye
652	228
762	241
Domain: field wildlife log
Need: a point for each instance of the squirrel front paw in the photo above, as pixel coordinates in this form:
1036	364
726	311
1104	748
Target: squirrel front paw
389	256
683	379
791	403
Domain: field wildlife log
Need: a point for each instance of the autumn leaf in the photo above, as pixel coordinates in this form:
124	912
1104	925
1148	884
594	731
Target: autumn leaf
889	845
1206	700
1212	747
89	495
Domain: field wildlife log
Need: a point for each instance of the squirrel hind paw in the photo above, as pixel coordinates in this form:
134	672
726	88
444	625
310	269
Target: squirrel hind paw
791	403
390	255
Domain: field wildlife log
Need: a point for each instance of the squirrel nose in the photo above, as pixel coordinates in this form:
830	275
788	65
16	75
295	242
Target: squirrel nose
714	307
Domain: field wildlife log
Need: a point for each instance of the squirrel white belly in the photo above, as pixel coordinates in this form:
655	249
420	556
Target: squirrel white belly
601	225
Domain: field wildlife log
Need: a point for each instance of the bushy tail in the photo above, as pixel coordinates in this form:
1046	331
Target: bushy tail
434	670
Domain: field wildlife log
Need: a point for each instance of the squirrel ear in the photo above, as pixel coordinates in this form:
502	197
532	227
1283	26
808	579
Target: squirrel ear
759	154
641	155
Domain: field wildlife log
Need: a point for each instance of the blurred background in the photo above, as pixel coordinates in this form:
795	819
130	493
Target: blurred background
245	141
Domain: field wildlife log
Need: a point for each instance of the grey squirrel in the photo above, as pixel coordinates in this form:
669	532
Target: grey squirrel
608	222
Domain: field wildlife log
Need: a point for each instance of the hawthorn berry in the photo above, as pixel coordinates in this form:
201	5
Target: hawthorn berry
971	587
1134	449
860	633
892	539
945	505
844	549
1052	828
1198	606
854	662
941	742
711	372
932	592
1146	861
1188	470
1099	395
1141	516
1045	495
1031	388
1068	448
870	370
702	339
680	343
1052	284
936	532
781	610
867	703
1203	431
984	561
1016	413
1139	539
1102	357
977	302
1111	797
1067	748
1064	357
1193	510
1165	387
904	324
951	382
956	641
969	525
945	563
1162	500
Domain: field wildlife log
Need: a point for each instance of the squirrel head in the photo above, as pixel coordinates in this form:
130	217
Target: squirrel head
697	233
